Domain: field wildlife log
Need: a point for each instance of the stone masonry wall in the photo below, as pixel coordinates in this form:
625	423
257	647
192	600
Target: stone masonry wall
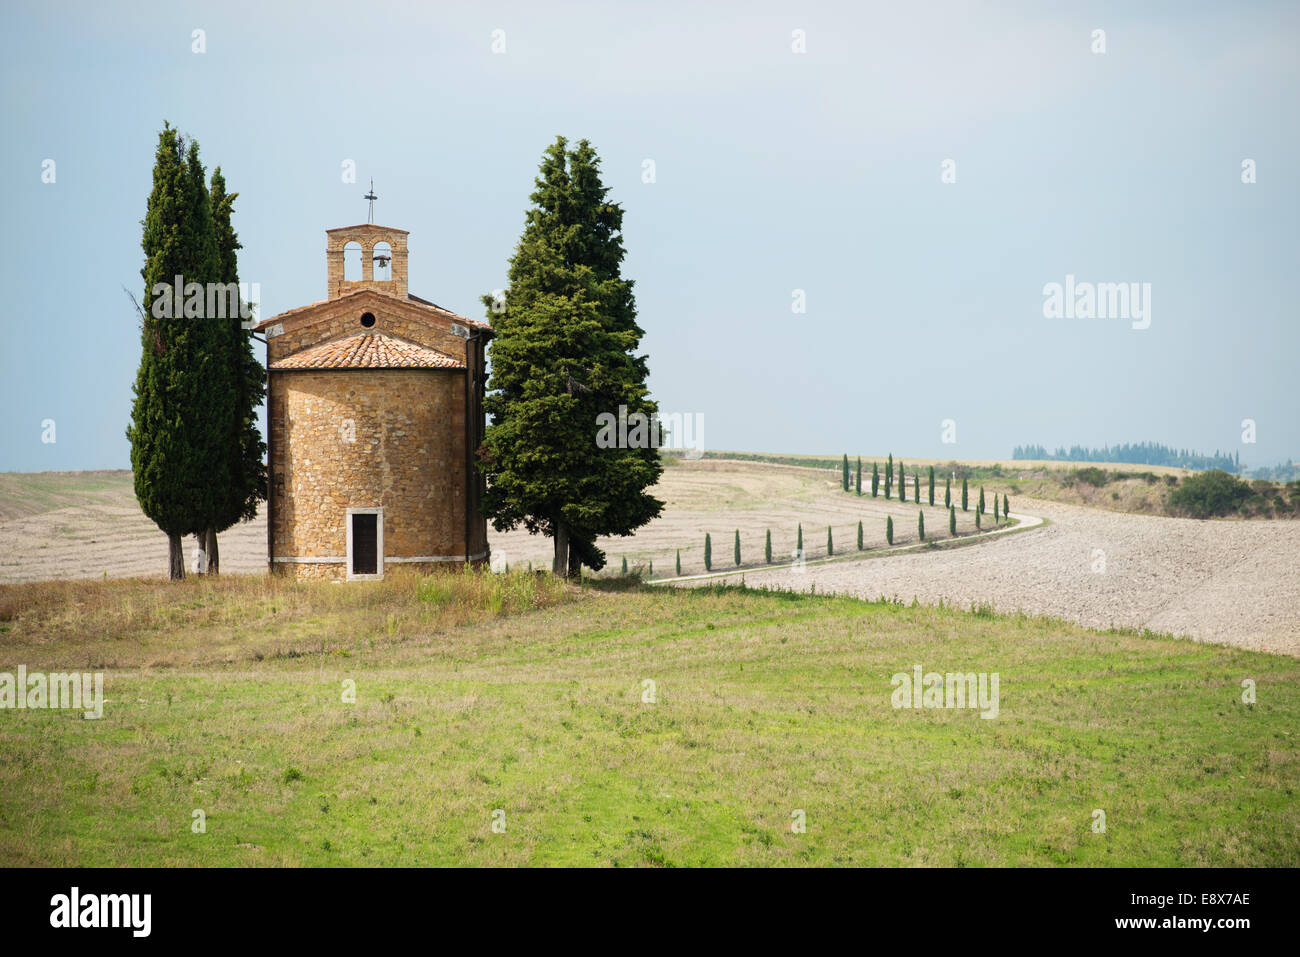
408	457
342	317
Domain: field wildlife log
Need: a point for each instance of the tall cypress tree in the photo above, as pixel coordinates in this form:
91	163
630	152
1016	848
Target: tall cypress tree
889	529
947	492
952	521
931	484
889	474
708	552
858	479
965	501
767	548
859	534
180	463
916	487
736	555
844	472
981	506
920	524
830	542
799	540
875	479
247	451
217	377
563	355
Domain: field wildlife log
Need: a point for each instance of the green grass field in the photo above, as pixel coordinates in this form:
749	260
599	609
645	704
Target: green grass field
476	695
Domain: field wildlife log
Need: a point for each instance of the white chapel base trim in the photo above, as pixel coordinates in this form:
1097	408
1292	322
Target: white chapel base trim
342	559
439	558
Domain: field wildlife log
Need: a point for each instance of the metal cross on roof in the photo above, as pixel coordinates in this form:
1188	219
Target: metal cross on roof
372	197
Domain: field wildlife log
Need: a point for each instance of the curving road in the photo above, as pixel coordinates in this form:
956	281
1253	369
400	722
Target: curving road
1230	582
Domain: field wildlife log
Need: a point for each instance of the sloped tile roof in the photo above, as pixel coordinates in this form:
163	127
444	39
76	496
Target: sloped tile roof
371	227
476	323
368	350
411	299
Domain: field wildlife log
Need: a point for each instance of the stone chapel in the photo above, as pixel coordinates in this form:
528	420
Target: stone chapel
374	413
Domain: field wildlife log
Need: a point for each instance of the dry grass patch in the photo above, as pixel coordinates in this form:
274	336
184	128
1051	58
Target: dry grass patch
155	623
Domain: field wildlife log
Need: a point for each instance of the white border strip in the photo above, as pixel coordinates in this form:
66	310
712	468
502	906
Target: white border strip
439	558
388	559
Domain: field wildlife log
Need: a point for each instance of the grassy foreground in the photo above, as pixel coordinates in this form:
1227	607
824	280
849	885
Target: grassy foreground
476	695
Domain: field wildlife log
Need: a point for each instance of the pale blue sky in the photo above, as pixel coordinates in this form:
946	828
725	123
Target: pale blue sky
775	172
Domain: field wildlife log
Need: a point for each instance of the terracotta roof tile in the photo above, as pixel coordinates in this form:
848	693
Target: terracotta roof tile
368	350
373	227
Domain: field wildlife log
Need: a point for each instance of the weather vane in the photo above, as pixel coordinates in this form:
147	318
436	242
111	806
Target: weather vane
372	197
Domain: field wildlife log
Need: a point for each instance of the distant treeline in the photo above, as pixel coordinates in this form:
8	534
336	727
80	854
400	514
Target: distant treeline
1144	453
1282	472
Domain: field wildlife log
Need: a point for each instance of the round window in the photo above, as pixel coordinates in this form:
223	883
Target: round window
367	319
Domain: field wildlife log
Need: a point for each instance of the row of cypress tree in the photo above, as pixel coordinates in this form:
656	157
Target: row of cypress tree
889	480
916	486
196	453
830	541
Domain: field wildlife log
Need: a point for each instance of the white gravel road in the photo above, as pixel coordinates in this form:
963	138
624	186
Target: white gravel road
1230	582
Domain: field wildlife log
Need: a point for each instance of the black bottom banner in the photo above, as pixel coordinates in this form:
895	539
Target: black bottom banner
333	906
